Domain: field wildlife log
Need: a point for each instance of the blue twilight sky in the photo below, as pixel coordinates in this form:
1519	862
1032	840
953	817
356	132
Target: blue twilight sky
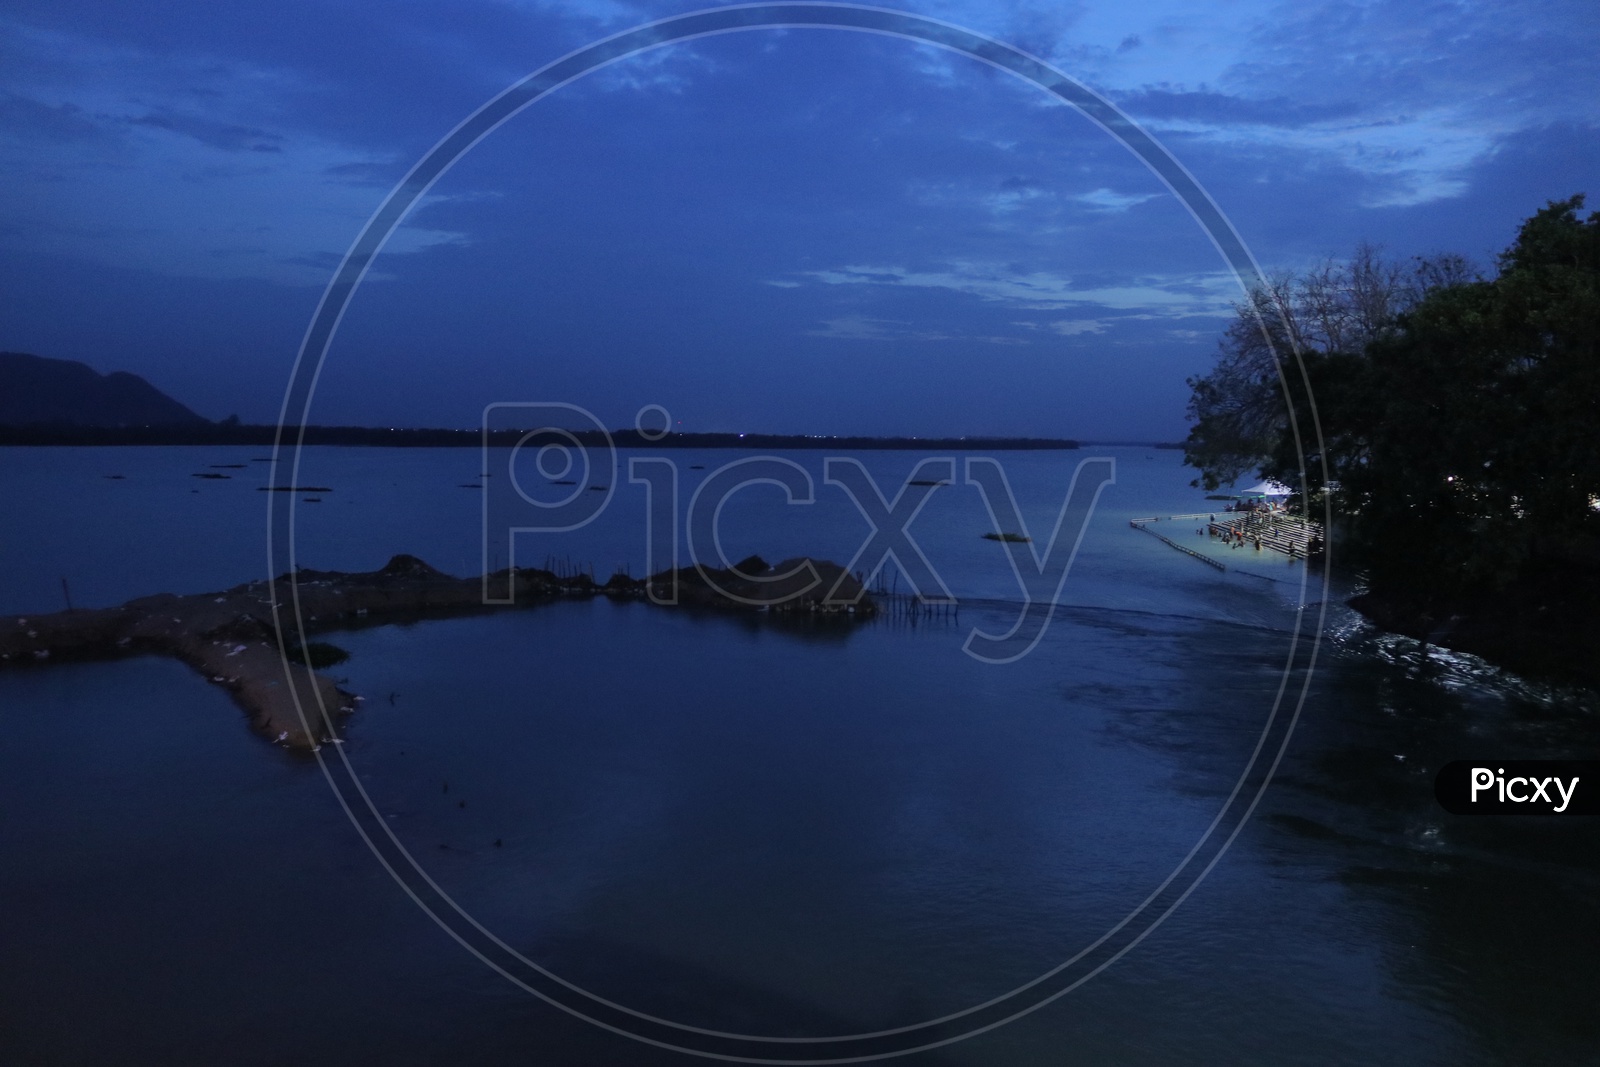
808	231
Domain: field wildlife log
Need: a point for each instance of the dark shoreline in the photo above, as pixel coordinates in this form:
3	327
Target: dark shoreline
1544	629
383	437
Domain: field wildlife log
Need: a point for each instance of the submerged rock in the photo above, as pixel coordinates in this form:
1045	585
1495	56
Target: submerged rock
801	584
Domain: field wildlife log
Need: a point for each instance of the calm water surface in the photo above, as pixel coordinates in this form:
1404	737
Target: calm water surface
745	826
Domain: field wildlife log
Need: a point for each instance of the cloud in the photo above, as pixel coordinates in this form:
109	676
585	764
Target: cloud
845	275
873	191
1405	98
366	172
27	119
867	328
1074	327
859	328
186	165
1107	200
1225	109
1166	296
227	136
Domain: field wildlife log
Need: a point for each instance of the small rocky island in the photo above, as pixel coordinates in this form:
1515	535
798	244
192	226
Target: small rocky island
248	640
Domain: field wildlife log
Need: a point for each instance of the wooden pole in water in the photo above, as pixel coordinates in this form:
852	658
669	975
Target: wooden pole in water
67	593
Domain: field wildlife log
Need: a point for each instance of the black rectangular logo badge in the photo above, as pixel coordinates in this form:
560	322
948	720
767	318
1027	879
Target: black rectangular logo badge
1519	787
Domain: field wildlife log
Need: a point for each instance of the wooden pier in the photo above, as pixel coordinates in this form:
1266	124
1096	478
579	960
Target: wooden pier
1261	531
1280	533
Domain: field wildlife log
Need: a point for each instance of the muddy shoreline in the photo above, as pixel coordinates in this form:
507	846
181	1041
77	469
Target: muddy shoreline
1546	628
247	639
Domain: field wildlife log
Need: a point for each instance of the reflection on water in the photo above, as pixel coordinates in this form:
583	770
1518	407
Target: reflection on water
1495	918
786	830
685	813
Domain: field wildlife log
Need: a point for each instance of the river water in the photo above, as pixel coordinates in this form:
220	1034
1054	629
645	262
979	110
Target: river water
740	826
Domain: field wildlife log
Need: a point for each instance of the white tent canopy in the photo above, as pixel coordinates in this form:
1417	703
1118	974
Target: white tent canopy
1268	489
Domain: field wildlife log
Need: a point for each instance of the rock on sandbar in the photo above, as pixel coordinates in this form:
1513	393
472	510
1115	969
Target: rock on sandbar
243	638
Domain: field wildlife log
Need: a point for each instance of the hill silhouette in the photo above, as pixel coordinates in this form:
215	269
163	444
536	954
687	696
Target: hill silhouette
36	391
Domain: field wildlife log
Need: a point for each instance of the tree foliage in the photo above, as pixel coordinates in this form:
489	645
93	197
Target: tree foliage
1483	456
1459	415
1293	327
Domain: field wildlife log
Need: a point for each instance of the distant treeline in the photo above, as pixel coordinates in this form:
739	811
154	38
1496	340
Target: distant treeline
266	436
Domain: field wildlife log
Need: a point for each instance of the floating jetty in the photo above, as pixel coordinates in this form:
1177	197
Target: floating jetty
250	639
1295	538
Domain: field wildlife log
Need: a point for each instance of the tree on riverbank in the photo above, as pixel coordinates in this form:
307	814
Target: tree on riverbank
1459	415
1329	315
